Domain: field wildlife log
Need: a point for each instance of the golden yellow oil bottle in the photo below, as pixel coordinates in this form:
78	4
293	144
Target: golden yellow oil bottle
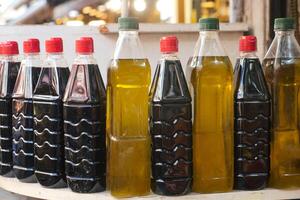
211	77
128	137
282	71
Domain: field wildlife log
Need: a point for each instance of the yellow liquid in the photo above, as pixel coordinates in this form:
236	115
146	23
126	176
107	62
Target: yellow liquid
212	82
284	83
127	128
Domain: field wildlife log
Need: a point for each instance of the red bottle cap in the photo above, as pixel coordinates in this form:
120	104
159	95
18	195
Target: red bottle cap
54	45
85	45
1	48
31	45
10	48
169	44
248	43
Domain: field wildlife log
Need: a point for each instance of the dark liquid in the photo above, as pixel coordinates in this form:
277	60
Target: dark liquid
84	129
48	127
252	120
171	130
22	123
8	74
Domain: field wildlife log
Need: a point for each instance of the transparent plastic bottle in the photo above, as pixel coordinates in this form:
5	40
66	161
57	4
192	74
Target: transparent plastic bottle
252	120
9	69
170	124
211	78
48	117
22	110
127	115
282	71
84	122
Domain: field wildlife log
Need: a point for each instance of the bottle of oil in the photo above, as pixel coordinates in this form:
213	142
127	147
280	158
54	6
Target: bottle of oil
252	120
48	120
211	79
170	124
84	122
127	115
282	72
9	68
22	110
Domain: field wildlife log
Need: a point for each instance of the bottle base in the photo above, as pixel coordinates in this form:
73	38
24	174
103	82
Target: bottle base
251	182
88	185
171	187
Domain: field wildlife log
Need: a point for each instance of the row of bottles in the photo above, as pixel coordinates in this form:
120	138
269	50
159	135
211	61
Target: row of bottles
53	121
215	131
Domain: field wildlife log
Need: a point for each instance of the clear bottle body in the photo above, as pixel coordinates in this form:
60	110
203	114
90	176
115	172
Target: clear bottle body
282	72
84	114
252	124
22	118
48	121
127	119
211	81
171	129
9	69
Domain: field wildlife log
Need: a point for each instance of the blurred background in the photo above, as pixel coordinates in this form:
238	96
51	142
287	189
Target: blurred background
99	12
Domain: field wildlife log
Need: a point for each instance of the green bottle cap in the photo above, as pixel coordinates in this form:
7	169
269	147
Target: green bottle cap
209	24
128	23
284	24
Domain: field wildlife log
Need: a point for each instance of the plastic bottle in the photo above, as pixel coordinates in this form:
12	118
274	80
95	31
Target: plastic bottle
127	115
22	110
211	77
282	72
48	117
9	68
252	119
170	124
84	122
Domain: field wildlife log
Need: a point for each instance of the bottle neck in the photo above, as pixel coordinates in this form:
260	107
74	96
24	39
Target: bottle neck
210	35
128	45
85	59
284	45
32	56
169	56
209	44
247	54
55	60
11	58
286	33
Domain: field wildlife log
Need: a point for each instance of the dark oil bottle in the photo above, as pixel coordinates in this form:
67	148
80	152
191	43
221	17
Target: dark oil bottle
170	125
22	110
84	122
252	120
9	68
48	117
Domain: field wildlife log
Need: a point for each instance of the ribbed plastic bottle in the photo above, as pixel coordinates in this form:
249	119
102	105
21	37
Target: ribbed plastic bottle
211	76
127	115
84	122
282	71
252	120
48	117
170	124
9	68
22	110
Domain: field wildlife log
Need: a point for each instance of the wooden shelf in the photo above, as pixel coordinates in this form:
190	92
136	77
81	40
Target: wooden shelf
37	191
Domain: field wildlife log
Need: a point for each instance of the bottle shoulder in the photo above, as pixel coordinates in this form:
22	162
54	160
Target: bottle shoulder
250	83
85	85
169	84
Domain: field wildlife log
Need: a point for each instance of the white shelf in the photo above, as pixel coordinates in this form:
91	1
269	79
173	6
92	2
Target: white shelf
37	191
174	28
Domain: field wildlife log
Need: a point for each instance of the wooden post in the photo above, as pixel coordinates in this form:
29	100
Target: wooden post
124	8
236	9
